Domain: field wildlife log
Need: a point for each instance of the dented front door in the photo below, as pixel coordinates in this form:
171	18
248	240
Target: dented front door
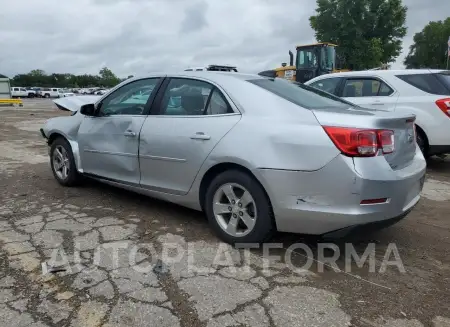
109	147
109	142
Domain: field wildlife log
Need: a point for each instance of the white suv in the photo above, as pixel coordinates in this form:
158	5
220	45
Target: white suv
424	92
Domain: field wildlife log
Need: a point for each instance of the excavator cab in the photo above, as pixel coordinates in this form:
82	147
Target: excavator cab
314	60
310	61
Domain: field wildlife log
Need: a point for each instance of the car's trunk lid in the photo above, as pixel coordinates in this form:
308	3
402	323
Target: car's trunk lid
356	117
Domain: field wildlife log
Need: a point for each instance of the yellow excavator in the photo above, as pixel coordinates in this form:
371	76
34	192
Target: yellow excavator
310	61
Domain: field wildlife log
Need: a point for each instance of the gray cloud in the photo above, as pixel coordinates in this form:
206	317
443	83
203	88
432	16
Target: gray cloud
139	36
195	18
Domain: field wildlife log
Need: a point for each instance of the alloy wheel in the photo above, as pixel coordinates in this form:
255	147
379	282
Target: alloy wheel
234	209
61	162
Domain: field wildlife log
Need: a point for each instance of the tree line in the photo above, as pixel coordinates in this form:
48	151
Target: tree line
38	78
368	33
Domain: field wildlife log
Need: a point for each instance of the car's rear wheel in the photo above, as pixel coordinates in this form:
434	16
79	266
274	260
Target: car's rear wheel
63	163
238	208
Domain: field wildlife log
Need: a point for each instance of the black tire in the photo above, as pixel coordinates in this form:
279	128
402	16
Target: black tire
30	95
264	227
73	177
422	142
47	96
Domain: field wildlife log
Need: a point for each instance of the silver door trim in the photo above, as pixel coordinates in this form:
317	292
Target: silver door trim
112	153
147	156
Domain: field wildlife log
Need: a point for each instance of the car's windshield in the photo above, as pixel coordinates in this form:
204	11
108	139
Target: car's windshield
301	94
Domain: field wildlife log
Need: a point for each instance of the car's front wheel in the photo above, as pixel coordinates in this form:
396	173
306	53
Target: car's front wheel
63	163
238	208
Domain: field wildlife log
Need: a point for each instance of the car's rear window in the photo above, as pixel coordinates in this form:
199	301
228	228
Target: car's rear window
433	83
444	78
300	94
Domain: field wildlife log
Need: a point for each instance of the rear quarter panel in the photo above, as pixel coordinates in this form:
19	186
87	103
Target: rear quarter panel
298	144
273	133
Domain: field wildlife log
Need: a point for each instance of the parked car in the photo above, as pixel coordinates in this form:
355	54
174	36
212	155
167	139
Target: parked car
51	92
65	93
21	92
424	92
255	154
101	91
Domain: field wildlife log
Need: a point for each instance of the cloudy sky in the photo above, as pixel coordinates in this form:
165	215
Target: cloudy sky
138	36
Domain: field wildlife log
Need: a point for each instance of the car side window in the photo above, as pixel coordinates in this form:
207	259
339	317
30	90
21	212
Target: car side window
327	84
385	90
129	99
185	97
218	105
366	87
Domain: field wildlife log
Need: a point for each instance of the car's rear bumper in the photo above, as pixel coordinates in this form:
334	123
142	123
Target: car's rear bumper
329	199
366	228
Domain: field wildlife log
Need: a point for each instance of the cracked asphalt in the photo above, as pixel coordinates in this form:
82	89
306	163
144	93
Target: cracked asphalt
129	260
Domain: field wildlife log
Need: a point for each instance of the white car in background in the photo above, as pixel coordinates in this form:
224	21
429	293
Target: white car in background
66	93
423	92
101	91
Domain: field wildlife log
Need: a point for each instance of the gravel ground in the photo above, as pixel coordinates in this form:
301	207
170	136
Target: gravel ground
131	261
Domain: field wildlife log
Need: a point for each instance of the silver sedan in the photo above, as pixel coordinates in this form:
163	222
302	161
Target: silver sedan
255	154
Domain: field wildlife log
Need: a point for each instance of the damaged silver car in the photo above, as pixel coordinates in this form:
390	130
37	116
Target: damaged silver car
255	154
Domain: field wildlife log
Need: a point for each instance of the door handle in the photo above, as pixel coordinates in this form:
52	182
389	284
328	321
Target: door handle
200	136
378	104
129	133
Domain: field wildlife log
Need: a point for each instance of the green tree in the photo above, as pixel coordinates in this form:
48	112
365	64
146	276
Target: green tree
37	73
108	78
368	32
429	49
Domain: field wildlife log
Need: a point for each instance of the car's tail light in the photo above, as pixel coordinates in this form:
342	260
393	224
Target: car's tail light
356	142
386	139
444	105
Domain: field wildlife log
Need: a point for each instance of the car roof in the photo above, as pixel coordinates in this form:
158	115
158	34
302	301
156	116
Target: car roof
213	76
386	72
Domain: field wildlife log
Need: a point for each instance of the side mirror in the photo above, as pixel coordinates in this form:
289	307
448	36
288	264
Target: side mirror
88	109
